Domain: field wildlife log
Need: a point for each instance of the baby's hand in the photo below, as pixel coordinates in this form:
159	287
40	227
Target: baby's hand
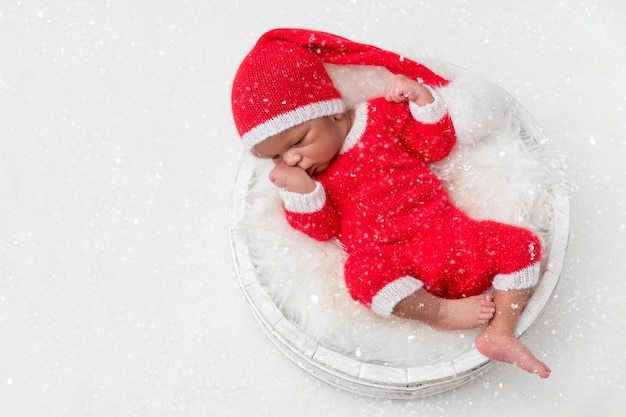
294	179
402	88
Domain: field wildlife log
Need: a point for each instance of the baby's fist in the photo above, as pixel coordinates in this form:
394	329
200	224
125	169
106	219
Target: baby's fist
294	179
401	89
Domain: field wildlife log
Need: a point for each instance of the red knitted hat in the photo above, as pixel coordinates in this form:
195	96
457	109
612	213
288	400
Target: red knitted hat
282	82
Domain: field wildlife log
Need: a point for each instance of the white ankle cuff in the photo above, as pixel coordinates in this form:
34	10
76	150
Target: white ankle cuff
522	279
391	294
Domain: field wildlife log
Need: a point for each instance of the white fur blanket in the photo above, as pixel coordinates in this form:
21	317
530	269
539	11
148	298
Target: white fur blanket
501	168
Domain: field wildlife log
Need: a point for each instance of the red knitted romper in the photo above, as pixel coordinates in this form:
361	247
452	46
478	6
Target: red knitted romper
394	217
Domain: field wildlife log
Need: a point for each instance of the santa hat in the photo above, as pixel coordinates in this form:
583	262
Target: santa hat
282	82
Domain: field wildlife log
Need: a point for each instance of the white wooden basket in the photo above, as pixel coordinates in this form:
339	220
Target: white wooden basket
366	377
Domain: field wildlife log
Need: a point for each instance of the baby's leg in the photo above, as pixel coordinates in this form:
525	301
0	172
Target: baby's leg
498	340
446	314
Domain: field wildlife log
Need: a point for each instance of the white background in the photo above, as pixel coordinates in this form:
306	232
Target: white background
118	154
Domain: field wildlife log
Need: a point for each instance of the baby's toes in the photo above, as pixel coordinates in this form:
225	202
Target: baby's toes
487	312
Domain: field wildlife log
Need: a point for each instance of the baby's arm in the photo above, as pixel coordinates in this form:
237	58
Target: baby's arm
306	207
430	134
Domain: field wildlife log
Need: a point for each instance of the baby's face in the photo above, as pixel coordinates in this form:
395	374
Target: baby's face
311	145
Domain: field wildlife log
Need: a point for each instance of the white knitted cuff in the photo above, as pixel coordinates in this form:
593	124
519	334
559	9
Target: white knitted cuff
391	294
304	203
523	279
430	113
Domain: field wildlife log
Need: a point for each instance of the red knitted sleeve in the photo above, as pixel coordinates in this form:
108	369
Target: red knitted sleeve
320	225
311	213
430	141
426	131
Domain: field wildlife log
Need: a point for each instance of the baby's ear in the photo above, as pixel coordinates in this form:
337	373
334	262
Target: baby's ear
256	153
339	116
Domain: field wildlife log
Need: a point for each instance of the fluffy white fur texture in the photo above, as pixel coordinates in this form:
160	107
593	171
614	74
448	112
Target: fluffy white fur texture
501	169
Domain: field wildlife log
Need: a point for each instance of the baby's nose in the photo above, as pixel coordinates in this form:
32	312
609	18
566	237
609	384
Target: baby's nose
292	158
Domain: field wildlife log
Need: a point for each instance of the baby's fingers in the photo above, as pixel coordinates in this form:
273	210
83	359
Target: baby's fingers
394	92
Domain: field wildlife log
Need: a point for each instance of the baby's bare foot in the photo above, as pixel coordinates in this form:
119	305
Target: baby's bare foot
465	313
508	349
